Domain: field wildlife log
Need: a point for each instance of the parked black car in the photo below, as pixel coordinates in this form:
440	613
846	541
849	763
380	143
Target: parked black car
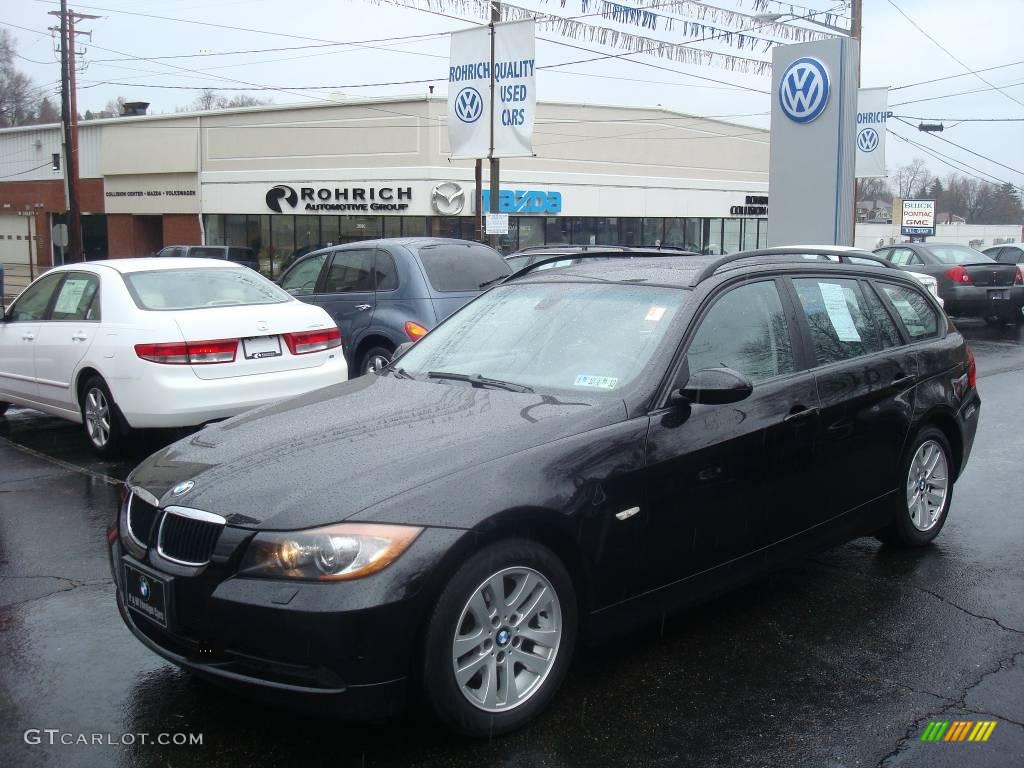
383	293
233	253
573	254
576	450
1008	253
971	284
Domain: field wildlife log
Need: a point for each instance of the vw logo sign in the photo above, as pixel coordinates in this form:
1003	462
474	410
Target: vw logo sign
867	140
278	193
804	90
448	198
469	105
182	488
144	588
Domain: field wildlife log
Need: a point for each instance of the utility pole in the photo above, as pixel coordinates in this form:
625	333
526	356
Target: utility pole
69	119
495	169
855	33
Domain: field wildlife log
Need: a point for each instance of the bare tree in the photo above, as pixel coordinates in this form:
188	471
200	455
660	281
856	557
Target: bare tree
209	99
909	178
17	97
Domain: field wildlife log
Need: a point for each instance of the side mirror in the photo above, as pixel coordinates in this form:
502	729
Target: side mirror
717	386
401	349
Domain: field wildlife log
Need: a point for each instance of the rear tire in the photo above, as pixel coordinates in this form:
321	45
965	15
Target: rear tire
374	359
508	617
105	428
923	498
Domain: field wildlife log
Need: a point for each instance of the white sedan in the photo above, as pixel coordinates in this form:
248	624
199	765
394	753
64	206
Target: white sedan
133	343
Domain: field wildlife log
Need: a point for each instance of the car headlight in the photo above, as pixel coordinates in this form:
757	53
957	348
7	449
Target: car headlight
332	553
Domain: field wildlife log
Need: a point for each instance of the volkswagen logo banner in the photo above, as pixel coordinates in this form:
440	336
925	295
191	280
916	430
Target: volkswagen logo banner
872	115
469	91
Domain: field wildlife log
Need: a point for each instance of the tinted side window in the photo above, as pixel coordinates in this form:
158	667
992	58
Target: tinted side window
386	271
904	256
889	334
1009	255
469	267
838	318
208	253
915	310
241	254
350	271
32	304
746	330
77	298
301	280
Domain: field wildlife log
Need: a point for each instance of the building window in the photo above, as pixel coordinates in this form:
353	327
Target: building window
749	234
712	236
632	232
762	233
213	223
654	232
282	242
531	231
330	230
414	226
558	230
731	235
392	226
355	228
594	230
683	233
235	231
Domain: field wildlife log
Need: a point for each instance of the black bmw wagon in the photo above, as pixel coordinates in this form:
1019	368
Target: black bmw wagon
574	451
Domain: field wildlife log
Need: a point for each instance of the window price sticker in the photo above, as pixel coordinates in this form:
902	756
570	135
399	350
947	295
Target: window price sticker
602	382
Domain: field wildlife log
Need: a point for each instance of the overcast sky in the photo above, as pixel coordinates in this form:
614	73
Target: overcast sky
982	33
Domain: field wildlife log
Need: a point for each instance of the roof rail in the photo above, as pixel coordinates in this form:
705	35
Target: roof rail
623	254
803	252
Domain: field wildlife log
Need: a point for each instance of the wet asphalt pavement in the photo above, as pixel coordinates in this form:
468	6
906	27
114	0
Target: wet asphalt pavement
839	660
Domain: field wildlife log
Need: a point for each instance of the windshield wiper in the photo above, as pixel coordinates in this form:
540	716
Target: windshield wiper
479	381
485	283
401	373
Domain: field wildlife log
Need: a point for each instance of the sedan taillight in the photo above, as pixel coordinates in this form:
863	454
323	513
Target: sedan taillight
958	275
1018	279
312	341
189	352
972	370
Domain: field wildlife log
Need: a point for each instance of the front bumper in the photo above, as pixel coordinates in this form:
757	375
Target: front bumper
345	648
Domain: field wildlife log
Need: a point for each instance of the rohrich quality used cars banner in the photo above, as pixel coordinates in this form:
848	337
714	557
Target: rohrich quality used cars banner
872	116
515	93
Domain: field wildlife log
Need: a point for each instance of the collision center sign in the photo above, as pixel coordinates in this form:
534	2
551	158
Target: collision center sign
918	217
475	129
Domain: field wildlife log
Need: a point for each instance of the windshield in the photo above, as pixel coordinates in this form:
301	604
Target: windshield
552	336
957	254
170	289
469	267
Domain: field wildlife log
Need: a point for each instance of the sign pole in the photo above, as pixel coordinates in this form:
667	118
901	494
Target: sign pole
478	218
495	170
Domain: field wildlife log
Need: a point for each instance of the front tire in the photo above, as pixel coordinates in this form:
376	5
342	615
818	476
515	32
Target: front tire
501	638
923	499
105	428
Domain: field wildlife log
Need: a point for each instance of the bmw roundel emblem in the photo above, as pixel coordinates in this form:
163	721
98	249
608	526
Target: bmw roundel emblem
804	90
144	588
182	488
469	105
867	140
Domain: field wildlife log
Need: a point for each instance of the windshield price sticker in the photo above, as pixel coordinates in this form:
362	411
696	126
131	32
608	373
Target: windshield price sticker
838	311
654	314
602	382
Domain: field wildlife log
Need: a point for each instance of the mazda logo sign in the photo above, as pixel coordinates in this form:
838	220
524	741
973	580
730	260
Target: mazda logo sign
448	198
281	192
804	90
867	140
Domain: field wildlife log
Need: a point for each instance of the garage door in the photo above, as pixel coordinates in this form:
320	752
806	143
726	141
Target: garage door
14	252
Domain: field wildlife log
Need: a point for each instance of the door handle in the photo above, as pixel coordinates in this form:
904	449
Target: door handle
28	337
903	381
362	307
800	415
79	336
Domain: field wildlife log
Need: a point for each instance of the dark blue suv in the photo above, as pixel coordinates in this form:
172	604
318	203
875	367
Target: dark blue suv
383	293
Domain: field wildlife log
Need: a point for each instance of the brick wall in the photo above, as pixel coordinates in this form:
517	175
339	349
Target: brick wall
182	229
16	195
129	235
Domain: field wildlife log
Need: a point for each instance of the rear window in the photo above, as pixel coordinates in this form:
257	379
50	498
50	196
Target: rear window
244	254
469	267
174	289
957	254
207	253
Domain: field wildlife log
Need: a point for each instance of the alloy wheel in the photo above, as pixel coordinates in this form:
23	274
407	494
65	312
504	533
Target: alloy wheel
927	485
97	417
376	363
507	639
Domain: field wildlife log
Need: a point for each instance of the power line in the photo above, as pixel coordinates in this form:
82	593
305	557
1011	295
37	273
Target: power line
951	54
948	161
965	149
958	93
966	119
22	173
954	77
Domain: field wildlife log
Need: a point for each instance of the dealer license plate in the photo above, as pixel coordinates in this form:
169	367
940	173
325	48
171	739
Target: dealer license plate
146	593
258	347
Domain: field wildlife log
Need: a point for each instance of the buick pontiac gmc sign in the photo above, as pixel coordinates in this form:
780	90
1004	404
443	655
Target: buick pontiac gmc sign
312	199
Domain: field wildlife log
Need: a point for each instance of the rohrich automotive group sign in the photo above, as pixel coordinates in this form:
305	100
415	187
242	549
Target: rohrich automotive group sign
918	217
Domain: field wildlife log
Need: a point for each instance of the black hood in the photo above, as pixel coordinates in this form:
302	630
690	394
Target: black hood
322	457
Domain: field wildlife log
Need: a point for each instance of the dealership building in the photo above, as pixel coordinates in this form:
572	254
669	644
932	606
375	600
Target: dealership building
286	179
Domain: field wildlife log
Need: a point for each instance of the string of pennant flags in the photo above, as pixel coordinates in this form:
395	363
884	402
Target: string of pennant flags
701	24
